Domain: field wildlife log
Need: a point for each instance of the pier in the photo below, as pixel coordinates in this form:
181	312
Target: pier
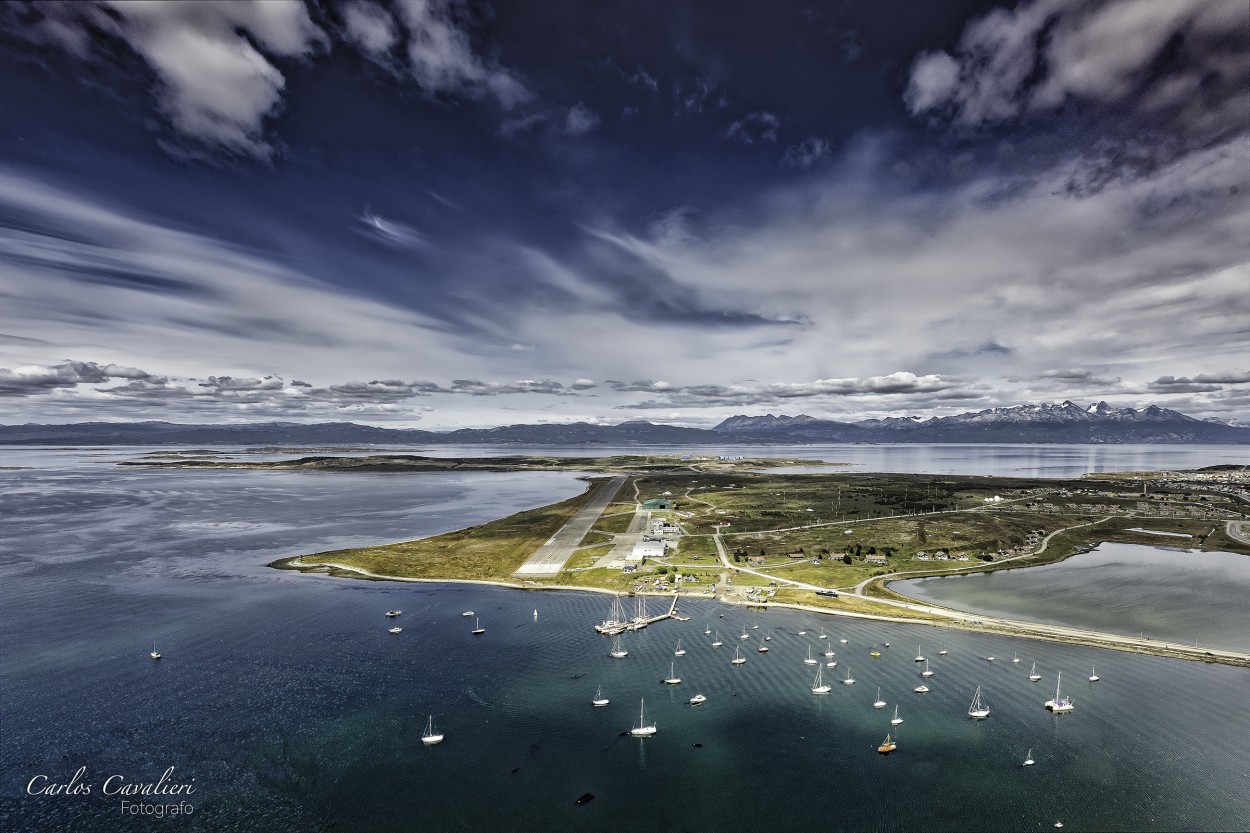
617	623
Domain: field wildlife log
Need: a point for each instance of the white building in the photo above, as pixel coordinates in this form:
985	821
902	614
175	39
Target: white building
644	550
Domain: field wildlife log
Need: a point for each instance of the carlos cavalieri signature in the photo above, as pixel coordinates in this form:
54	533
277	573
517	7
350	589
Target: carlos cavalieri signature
121	787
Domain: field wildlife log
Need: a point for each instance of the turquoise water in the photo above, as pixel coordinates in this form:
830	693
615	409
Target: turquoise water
1170	594
285	699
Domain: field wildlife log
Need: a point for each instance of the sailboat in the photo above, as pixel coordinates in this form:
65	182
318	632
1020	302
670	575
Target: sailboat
1093	674
708	631
672	678
680	652
819	686
1015	658
823	635
599	700
978	709
755	627
763	649
802	633
617	651
874	652
811	660
1033	675
879	703
643	729
738	658
1028	757
887	747
849	679
833	663
942	652
717	643
155	653
895	720
828	651
919	656
429	737
843	640
745	635
1059	704
478	630
535	614
926	672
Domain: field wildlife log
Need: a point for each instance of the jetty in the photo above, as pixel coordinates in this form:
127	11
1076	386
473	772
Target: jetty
617	622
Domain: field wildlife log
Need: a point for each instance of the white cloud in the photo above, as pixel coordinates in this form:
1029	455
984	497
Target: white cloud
371	29
441	59
1183	59
808	153
580	120
754	127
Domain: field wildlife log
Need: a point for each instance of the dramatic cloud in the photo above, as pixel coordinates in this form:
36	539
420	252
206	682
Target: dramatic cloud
371	29
1202	383
442	61
1182	60
35	379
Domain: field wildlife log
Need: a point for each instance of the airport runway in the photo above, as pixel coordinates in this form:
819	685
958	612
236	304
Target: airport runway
549	559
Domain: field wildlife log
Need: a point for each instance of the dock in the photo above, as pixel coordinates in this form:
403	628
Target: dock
613	626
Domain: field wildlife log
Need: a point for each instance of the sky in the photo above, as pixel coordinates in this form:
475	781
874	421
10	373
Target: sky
444	214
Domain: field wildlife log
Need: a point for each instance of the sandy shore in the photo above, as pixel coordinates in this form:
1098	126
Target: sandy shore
998	627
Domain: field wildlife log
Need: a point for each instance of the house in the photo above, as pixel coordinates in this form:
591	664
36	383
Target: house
877	559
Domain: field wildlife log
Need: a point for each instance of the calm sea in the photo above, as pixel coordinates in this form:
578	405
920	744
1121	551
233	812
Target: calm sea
285	699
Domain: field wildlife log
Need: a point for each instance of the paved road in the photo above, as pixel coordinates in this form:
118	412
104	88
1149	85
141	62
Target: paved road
1238	531
551	557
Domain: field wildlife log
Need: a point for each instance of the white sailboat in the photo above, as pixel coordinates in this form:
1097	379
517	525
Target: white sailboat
828	651
672	678
942	653
599	700
1033	675
1028	757
429	737
717	643
849	679
535	614
763	649
926	672
811	660
802	633
155	653
879	703
1093	674
738	658
755	627
919	655
833	663
478	630
1015	658
643	729
745	635
843	640
708	631
819	686
823	635
1059	704
978	709
895	720
680	651
617	651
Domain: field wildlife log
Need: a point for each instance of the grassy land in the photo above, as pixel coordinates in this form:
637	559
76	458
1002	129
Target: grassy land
772	509
489	552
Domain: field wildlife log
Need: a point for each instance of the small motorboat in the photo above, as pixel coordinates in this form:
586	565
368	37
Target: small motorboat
468	613
697	699
391	614
395	630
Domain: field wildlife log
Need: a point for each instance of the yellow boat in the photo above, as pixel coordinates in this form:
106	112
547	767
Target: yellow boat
874	654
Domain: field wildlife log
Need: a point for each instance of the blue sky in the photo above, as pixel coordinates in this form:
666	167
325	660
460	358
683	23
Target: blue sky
447	214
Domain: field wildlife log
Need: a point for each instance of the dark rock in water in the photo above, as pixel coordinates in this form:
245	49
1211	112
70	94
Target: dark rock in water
586	798
515	771
697	745
578	676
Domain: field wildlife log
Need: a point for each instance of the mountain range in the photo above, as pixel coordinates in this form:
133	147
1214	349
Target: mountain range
1048	423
